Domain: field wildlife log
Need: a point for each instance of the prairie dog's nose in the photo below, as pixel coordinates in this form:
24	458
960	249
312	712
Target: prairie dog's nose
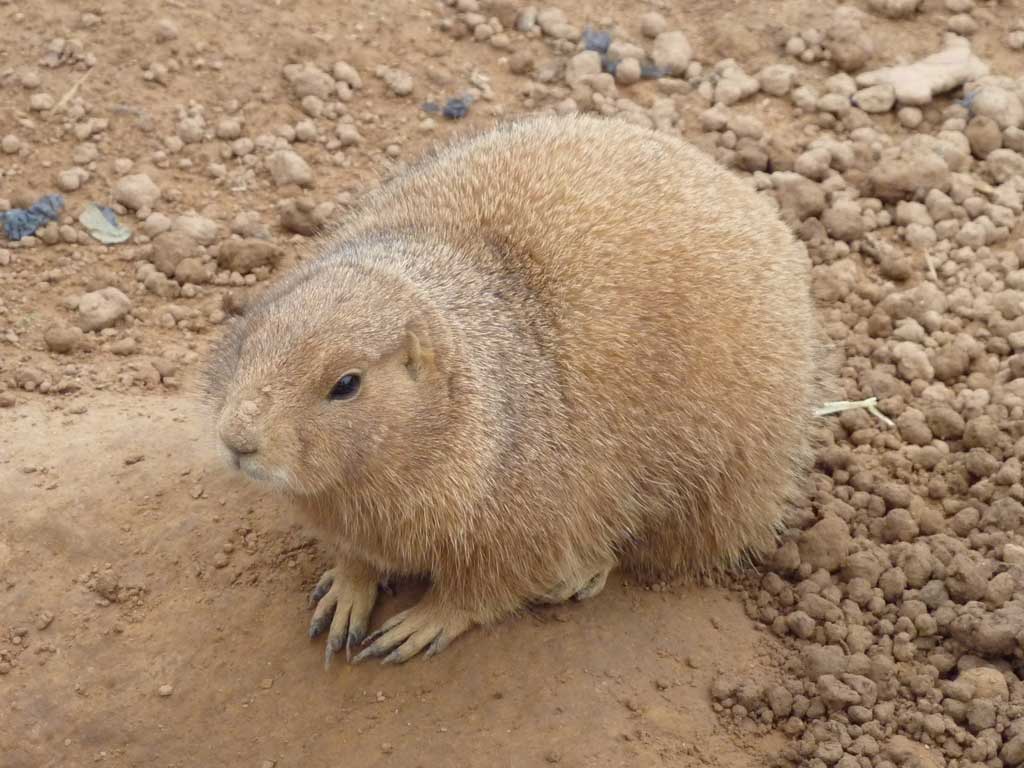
238	428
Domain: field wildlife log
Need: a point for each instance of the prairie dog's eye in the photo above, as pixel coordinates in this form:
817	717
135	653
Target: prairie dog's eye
346	388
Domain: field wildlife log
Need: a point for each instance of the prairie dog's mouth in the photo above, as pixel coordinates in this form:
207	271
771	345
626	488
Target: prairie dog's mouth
252	466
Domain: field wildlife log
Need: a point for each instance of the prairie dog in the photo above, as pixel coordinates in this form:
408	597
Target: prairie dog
562	345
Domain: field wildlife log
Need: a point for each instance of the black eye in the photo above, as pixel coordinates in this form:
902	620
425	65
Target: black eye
346	388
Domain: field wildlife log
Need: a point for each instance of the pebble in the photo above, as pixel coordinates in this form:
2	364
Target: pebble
628	71
895	9
165	690
63	339
346	73
875	98
137	192
309	80
40	102
904	170
245	255
1000	104
826	544
398	81
287	167
194	271
199	228
10	144
851	46
777	79
348	135
302	216
672	53
166	31
102	309
170	249
652	24
799	198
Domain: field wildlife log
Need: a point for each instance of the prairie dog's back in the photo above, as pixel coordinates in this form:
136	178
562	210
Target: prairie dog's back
640	249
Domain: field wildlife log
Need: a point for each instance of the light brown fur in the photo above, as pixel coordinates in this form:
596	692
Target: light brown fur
584	344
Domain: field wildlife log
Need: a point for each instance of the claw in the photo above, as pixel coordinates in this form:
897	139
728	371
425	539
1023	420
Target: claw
318	592
369	653
334	645
375	635
318	625
322	587
352	640
437	645
343	603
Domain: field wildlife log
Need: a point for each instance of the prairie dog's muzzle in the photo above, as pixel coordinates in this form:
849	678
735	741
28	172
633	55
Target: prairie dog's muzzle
237	427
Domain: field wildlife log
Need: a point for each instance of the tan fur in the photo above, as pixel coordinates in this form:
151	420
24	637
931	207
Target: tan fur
584	343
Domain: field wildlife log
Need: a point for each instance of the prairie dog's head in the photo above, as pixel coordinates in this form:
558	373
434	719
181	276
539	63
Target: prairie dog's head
330	380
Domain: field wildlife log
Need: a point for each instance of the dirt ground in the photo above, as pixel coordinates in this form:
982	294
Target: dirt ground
619	682
153	604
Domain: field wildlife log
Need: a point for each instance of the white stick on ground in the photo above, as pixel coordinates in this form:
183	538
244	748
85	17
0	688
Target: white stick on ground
870	405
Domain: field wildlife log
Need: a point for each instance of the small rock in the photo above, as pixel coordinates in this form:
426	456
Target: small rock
309	80
399	81
136	192
895	9
10	144
799	197
987	682
243	256
825	544
583	64
628	71
849	44
909	169
170	248
652	24
836	694
166	31
672	53
165	690
843	221
346	73
199	228
1003	105
124	347
63	339
102	309
193	270
912	361
984	136
156	224
348	135
918	83
875	98
301	216
520	62
777	79
287	167
71	179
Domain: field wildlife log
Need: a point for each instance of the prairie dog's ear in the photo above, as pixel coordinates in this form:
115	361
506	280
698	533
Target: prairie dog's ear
419	353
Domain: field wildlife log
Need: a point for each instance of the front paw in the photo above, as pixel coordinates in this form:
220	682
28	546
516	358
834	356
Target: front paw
344	599
426	626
